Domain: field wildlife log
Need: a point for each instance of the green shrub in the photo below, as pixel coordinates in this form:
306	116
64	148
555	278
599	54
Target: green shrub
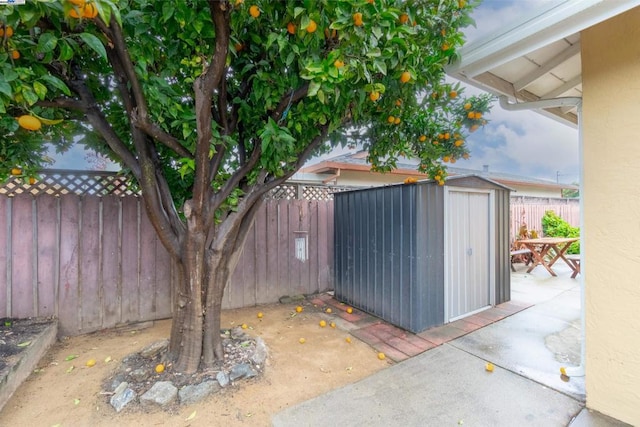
554	226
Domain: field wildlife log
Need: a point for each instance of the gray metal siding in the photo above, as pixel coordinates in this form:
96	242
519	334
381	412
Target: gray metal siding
389	251
429	301
375	251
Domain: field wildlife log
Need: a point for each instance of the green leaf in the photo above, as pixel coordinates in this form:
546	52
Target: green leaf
56	83
29	96
40	89
24	344
5	88
314	87
94	43
71	357
47	43
66	51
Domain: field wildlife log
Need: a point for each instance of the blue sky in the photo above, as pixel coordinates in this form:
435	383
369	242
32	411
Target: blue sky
523	143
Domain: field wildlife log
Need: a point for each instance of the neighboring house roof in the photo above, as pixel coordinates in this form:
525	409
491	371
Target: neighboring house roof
538	57
332	167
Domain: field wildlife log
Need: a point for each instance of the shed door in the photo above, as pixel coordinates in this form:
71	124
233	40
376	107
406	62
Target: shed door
468	228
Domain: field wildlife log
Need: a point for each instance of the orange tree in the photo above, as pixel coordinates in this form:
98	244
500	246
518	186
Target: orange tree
208	105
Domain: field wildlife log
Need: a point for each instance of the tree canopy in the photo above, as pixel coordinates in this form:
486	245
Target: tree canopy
211	104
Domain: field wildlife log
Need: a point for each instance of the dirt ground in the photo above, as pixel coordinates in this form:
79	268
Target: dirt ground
56	395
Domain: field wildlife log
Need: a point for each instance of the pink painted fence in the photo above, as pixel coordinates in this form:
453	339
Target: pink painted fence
95	262
531	214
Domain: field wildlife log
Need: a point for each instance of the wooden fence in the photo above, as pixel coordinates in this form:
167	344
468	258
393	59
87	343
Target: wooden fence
531	214
78	246
95	262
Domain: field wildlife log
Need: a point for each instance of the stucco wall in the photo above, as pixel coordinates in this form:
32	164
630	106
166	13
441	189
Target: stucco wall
611	161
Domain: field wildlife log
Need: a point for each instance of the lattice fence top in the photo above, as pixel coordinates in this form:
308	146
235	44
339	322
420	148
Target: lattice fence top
59	182
305	192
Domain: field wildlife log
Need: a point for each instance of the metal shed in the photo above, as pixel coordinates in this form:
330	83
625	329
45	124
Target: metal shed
421	255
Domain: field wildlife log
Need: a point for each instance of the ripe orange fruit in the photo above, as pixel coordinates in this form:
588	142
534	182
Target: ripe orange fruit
91	362
465	156
15	54
422	138
73	13
160	368
79	3
357	19
473	128
302	340
333	324
458	142
254	11
445	46
312	27
446	135
404	18
291	28
29	122
244	326
478	115
238	47
329	311
239	2
374	96
391	119
8	30
398	102
471	115
405	77
32	180
467	106
397	121
90	11
453	94
299	309
437	178
462	3
260	315
489	367
381	356
349	310
16	171
348	339
322	323
338	63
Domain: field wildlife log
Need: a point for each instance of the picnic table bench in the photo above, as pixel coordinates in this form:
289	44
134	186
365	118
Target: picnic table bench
524	254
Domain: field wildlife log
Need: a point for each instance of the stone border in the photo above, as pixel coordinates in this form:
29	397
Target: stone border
29	359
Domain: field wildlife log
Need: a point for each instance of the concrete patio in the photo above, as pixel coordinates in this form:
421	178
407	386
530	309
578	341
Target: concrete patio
441	378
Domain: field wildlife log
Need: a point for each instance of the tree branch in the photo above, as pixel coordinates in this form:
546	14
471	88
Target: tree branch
157	133
66	103
288	99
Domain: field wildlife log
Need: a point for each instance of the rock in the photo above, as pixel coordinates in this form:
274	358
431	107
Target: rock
139	375
161	393
223	379
122	396
242	370
260	353
238	334
154	349
195	393
117	380
286	299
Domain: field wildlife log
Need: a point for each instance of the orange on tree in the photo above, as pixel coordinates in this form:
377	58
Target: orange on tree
422	138
338	63
374	96
29	122
467	106
16	171
15	54
312	27
391	119
396	121
291	28
398	102
458	142
404	18
357	19
8	30
453	94
254	11
32	180
89	11
79	3
405	77
73	13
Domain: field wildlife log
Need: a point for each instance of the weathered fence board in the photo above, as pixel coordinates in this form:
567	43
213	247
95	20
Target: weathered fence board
95	262
531	215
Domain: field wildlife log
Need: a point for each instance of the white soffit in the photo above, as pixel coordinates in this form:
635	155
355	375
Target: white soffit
539	56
